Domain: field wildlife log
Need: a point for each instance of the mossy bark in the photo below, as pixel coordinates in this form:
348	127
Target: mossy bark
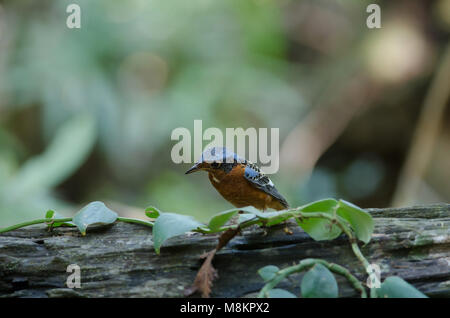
119	260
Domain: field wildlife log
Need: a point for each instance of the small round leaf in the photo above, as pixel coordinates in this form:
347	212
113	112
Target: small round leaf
93	213
268	272
280	293
168	225
319	282
396	287
221	219
320	229
152	212
360	220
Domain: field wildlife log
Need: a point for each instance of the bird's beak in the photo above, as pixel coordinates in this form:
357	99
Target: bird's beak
194	168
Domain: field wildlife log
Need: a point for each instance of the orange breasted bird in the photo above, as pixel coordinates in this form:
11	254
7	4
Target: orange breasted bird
239	181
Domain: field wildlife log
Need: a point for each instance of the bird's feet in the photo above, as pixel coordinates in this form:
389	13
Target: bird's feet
287	230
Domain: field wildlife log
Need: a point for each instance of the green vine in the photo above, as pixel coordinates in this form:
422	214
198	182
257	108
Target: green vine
322	220
28	223
307	264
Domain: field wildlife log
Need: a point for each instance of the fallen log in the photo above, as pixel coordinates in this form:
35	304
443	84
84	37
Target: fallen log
119	260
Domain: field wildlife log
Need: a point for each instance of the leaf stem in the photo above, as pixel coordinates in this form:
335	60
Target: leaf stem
38	221
137	221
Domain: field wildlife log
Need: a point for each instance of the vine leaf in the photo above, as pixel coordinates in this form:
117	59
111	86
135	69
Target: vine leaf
268	272
246	213
221	219
280	293
360	220
319	282
244	217
93	213
320	229
169	225
152	212
396	287
325	205
250	212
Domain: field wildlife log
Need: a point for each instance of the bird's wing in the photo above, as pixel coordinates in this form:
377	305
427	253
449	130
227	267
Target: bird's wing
259	180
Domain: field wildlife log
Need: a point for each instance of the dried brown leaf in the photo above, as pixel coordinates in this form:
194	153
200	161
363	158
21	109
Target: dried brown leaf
205	277
226	236
207	273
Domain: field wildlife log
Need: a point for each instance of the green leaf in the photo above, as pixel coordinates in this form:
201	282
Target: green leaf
152	212
280	293
221	218
320	229
275	216
50	214
268	272
325	205
319	282
250	210
396	287
260	214
93	213
245	217
168	225
360	220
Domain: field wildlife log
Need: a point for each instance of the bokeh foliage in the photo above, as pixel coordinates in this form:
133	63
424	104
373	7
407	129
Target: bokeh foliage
86	114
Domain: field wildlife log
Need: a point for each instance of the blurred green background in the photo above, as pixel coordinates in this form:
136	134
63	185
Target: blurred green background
86	114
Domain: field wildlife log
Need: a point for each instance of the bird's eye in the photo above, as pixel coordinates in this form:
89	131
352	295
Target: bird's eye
215	165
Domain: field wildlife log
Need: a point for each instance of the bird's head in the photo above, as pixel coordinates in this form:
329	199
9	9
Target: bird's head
214	158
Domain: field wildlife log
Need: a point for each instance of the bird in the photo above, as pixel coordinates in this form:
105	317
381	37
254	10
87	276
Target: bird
238	180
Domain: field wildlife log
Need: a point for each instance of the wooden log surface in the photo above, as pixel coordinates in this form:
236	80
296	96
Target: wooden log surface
119	260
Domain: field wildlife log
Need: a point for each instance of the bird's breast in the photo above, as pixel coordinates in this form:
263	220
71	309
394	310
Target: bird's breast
237	190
